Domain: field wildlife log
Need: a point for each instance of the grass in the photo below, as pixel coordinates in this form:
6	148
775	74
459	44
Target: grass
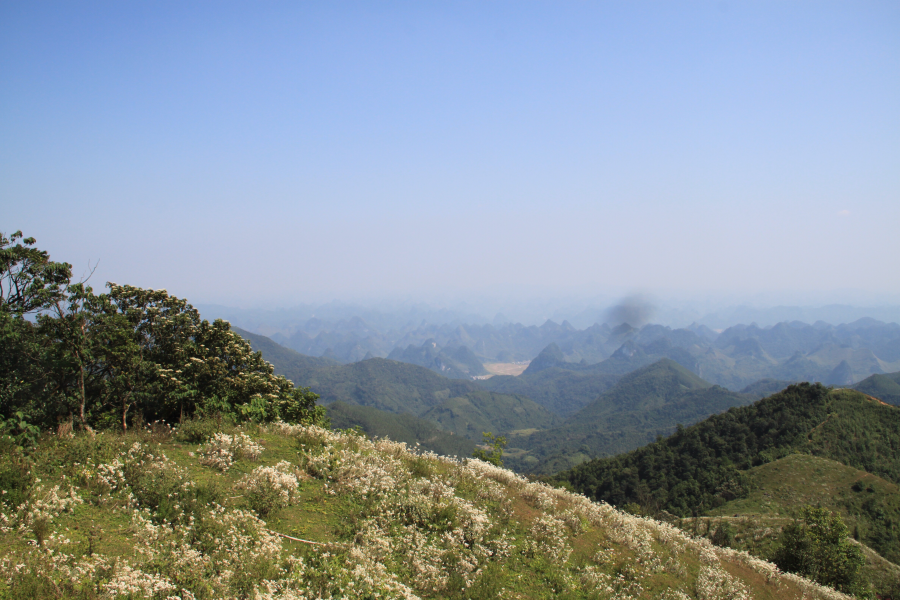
867	504
392	522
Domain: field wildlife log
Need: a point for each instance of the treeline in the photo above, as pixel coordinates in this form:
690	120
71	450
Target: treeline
69	355
700	467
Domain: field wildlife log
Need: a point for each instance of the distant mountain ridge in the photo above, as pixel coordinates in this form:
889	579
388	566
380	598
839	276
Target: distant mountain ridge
453	405
742	355
455	362
643	404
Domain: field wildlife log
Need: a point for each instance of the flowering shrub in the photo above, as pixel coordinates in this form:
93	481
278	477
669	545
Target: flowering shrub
223	449
412	525
270	488
45	505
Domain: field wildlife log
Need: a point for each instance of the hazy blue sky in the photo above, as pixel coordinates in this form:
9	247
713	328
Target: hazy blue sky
264	152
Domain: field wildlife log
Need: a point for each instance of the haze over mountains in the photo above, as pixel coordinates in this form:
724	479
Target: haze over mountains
734	357
643	431
564	408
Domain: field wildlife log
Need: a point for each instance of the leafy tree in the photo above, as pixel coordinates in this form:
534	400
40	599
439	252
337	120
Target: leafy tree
817	546
29	280
67	353
494	451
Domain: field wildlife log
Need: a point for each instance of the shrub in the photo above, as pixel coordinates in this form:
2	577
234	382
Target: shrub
817	546
16	477
270	488
723	535
223	449
200	429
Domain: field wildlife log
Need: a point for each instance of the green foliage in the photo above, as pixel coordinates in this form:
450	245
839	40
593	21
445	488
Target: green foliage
561	391
125	356
399	427
868	504
16	475
816	546
492	450
29	280
199	429
476	412
643	404
723	535
700	467
885	387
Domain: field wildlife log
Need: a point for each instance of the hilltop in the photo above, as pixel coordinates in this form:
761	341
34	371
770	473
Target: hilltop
885	387
642	405
842	425
291	511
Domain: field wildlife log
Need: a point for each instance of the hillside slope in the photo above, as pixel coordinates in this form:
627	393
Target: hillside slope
561	391
700	467
885	387
868	504
478	412
642	405
289	512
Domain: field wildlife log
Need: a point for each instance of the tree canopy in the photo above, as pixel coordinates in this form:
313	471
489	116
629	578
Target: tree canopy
122	356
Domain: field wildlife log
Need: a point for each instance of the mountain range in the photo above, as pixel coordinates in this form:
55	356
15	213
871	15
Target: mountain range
733	358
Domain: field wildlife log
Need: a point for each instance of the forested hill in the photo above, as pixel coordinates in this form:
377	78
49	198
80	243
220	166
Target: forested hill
700	467
643	404
885	387
455	405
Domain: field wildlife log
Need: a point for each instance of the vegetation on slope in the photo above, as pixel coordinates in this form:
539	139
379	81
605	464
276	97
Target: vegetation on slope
561	391
282	512
868	504
701	467
644	404
477	412
885	387
400	428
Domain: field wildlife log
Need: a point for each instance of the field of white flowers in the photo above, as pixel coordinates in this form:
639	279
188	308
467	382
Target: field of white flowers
291	512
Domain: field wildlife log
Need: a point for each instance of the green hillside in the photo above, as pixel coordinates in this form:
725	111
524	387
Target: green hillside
288	363
380	383
478	412
869	504
765	387
455	405
885	387
400	428
561	391
284	512
643	405
644	389
701	467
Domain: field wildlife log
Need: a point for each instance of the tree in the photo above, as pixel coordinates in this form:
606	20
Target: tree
29	280
29	283
67	353
492	449
817	546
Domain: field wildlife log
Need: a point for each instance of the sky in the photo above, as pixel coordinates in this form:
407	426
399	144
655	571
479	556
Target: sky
272	153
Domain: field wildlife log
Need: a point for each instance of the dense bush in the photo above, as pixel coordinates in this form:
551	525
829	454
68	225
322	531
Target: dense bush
816	546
